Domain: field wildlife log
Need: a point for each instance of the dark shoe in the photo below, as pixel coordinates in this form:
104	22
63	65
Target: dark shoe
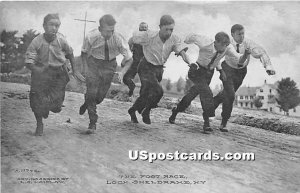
39	129
207	128
91	128
173	116
83	109
131	89
133	117
146	116
223	128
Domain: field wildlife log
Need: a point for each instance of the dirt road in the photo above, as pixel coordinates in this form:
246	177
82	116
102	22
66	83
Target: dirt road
65	160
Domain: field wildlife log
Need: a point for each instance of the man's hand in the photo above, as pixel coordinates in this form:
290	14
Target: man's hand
223	76
78	76
271	72
120	76
194	66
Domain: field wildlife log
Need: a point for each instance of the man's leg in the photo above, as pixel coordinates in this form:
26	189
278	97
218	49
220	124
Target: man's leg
234	80
140	103
191	94
155	94
129	76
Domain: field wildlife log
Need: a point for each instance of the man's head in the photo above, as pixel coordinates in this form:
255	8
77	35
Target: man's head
51	25
143	26
107	26
166	26
238	33
221	41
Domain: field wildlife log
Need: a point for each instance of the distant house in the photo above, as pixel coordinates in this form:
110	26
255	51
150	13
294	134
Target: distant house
244	97
267	93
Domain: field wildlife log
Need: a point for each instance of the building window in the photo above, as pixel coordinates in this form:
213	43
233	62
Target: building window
251	97
241	97
261	90
251	104
271	109
246	97
294	110
241	104
246	104
270	90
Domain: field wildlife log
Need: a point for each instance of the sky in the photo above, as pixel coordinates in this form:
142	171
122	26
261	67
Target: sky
273	25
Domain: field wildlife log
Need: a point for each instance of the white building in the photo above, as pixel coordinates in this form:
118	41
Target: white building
267	93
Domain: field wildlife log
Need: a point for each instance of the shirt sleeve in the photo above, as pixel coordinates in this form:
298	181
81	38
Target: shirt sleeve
219	67
178	45
124	48
142	37
66	47
31	52
198	40
86	47
231	52
258	52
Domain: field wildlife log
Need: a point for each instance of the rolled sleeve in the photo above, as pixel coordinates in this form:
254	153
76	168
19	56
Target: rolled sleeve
31	53
198	40
179	46
258	52
124	48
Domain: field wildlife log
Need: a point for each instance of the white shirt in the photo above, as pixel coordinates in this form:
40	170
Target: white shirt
155	51
94	44
256	51
207	51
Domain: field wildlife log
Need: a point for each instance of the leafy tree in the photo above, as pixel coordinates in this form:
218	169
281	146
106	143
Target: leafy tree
257	102
188	85
180	84
168	85
9	50
288	94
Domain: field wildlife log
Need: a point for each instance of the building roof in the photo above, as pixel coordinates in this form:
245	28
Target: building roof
246	91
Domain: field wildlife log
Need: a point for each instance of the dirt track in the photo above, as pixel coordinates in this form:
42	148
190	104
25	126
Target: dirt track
90	162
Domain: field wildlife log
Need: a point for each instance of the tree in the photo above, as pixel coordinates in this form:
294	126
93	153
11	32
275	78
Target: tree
188	85
180	84
288	95
9	50
168	85
257	102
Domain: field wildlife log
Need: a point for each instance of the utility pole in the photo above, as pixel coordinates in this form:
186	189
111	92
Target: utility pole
85	20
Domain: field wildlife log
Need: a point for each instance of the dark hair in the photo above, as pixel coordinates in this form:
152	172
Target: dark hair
107	20
236	27
143	23
166	20
50	16
222	37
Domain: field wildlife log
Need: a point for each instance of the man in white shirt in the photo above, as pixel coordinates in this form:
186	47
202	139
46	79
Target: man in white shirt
236	72
98	53
210	54
157	47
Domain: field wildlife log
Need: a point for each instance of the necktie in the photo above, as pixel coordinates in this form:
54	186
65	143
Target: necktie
106	51
212	61
238	48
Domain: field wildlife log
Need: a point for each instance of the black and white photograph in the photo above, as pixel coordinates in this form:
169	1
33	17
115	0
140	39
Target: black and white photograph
150	96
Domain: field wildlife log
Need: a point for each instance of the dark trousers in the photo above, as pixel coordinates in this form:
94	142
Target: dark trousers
151	91
47	91
201	79
98	80
130	74
234	80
